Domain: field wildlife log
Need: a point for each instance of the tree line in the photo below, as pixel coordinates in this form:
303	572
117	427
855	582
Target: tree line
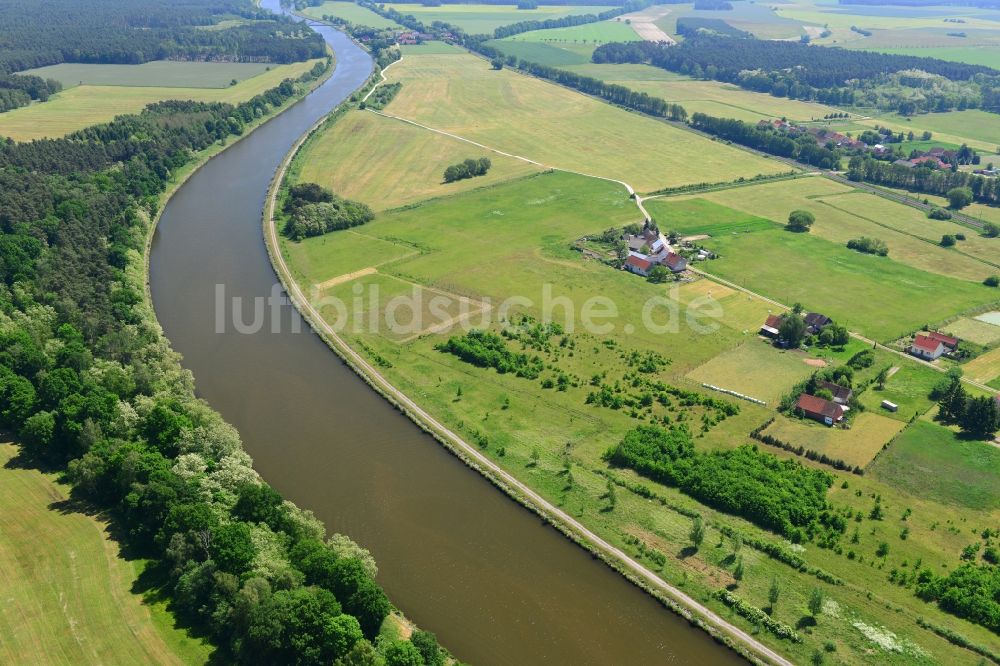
769	140
924	179
89	385
137	31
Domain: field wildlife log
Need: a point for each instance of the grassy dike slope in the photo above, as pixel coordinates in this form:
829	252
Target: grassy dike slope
459	93
67	591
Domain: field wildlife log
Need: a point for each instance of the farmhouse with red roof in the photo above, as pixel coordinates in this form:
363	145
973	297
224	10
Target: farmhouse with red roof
927	348
818	409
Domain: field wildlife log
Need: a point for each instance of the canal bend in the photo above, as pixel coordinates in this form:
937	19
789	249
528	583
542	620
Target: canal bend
456	555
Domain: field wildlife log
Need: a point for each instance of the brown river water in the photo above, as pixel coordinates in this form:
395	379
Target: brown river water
456	555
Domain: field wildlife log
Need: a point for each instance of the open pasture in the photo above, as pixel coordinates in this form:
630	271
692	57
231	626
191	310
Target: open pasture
929	460
742	368
558	127
155	74
484	19
856	446
67	596
82	106
352	13
909	387
387	163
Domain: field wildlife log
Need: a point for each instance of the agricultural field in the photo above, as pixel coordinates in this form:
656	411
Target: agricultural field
985	368
484	19
761	21
86	105
68	595
843	213
567	55
974	330
350	12
887	298
560	128
155	74
987	55
976	210
385	147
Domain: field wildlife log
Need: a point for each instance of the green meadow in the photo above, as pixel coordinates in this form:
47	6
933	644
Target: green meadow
158	73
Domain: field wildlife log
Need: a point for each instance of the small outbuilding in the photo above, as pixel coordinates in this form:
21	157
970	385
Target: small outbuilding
890	406
772	327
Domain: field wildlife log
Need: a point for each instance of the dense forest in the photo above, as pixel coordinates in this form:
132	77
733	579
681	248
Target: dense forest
20	90
35	34
89	384
313	210
825	74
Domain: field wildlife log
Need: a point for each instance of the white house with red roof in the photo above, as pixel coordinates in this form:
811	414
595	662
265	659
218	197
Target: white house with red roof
639	264
948	341
927	348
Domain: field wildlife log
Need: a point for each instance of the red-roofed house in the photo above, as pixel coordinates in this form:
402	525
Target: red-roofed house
819	409
947	340
638	264
926	347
